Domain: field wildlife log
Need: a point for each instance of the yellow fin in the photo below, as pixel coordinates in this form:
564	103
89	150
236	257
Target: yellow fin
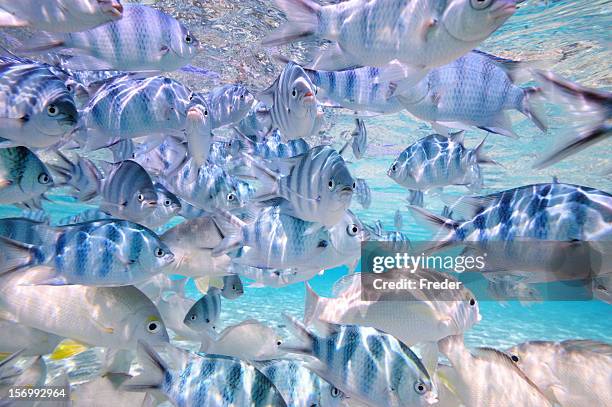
68	348
4	355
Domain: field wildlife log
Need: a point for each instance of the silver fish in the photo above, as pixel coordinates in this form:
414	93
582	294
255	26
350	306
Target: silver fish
23	176
232	287
437	161
83	176
293	103
365	364
271	147
33	342
198	129
258	122
475	90
229	104
59	15
36	108
160	44
317	185
363	193
204	314
168	206
424	33
159	158
195	380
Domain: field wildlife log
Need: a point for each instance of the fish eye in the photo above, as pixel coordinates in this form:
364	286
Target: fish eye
167	202
231	196
419	387
193	317
514	358
207	321
335	393
241	97
205	113
354	185
188	39
294	92
331	184
352	230
69	87
44	178
52	110
140	197
394	168
153	327
159	252
480	4
278	343
472	302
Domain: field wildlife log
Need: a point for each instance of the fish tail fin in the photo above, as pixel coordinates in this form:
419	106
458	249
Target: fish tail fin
154	369
481	156
311	305
270	180
302	22
16	255
588	137
231	227
532	109
306	338
435	222
44	42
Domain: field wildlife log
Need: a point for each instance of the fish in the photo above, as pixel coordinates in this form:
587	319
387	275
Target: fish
601	287
163	44
258	122
488	362
362	193
23	176
299	386
345	237
161	158
359	139
128	192
59	15
229	104
436	161
204	314
173	307
317	185
476	90
272	147
161	286
271	239
31	341
416	197
198	129
232	287
276	278
365	364
293	103
36	108
563	370
103	253
424	33
116	111
590	109
423	316
113	317
396	239
123	150
168	206
203	380
83	176
249	340
192	243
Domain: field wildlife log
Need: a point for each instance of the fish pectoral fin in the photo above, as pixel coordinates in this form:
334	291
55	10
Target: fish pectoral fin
5	183
68	348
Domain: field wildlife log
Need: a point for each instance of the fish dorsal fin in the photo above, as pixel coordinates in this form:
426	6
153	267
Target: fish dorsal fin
589	345
467	207
457	137
267	96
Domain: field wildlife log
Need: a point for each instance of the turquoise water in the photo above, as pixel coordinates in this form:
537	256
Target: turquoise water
574	38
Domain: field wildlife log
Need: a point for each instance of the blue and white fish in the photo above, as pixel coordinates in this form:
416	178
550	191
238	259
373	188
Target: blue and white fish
365	364
83	176
232	287
23	176
204	314
591	109
363	193
117	110
159	158
161	43
36	108
317	185
258	122
229	104
358	141
437	161
272	146
475	90
59	15
272	239
423	33
198	128
346	237
194	380
168	206
299	386
102	253
293	102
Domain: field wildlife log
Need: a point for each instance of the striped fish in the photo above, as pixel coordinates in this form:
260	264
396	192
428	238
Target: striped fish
118	110
123	150
299	386
198	128
103	253
83	176
272	146
437	161
272	239
229	104
258	122
23	177
36	108
161	158
168	206
204	314
195	380
359	140
145	39
475	90
232	287
293	103
363	193
366	364
127	192
317	185
59	15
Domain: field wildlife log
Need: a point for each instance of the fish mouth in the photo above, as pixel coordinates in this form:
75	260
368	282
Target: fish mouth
431	398
346	189
115	9
150	204
504	9
309	98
